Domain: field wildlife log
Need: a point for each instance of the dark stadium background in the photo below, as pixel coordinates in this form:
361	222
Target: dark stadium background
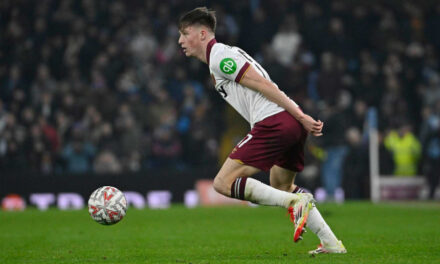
98	92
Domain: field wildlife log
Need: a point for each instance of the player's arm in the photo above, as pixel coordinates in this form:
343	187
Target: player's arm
253	80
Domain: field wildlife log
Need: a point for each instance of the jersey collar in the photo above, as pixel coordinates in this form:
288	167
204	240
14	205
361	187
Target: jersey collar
208	49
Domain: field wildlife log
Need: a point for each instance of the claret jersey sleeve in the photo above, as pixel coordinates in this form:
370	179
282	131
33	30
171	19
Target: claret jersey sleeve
228	63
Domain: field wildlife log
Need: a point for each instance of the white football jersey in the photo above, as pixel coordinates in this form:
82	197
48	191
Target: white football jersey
227	66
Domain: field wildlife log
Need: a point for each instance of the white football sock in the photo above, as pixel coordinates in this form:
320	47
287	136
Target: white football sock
260	193
317	225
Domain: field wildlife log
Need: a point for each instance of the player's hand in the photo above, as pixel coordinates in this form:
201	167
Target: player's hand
312	126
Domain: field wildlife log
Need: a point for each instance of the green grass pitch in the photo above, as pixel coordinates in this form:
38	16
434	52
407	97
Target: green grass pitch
383	233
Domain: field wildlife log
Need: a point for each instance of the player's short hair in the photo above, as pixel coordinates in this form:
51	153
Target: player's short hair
199	15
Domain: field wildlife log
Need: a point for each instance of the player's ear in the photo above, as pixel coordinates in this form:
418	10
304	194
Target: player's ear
203	34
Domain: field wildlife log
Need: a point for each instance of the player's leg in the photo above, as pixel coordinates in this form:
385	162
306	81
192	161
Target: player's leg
283	179
261	149
233	180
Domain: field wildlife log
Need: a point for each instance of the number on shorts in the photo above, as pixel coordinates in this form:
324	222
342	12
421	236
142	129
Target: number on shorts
244	140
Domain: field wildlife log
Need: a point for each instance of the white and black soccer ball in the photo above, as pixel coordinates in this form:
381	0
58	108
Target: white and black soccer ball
107	205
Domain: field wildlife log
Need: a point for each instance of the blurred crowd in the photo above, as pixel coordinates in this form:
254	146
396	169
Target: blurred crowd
102	86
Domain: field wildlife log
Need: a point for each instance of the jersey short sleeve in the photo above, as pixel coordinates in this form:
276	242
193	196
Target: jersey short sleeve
228	62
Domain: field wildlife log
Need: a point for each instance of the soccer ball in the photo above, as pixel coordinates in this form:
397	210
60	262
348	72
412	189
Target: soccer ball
107	205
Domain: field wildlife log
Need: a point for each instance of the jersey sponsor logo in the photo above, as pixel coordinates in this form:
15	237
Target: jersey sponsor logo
228	66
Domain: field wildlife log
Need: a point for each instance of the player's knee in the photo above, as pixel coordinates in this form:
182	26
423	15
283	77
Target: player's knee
220	186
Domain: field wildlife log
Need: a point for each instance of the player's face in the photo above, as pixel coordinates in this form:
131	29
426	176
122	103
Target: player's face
190	41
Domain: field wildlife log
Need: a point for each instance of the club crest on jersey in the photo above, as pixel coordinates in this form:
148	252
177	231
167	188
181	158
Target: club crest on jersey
228	66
